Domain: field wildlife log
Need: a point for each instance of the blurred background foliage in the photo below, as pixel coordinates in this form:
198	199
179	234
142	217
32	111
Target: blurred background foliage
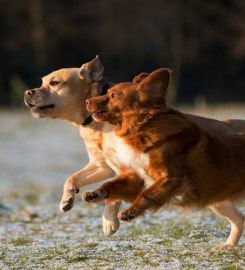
203	41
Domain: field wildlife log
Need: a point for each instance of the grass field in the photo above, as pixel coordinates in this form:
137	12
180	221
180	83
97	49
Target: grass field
37	156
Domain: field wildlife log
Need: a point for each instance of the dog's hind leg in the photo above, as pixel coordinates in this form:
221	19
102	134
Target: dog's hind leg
236	219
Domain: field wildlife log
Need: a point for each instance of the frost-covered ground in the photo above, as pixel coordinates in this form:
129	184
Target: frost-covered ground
36	156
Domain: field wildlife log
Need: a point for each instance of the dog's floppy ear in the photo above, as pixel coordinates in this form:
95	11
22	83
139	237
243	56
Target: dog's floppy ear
140	77
156	83
93	69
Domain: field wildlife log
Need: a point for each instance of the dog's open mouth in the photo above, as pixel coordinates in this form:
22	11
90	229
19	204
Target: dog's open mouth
50	106
99	116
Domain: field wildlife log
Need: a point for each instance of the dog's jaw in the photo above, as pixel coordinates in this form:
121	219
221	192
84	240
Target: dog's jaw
99	116
40	111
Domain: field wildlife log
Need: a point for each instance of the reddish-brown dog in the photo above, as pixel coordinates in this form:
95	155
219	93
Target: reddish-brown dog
174	159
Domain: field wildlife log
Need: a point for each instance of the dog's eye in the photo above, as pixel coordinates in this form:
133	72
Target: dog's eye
53	83
113	95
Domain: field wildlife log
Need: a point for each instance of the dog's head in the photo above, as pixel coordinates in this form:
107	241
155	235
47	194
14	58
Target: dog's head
145	92
63	92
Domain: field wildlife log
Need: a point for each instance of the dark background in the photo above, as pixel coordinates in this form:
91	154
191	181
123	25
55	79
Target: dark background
203	41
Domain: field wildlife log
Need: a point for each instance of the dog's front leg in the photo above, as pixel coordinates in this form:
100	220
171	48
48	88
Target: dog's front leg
90	174
110	220
125	187
152	198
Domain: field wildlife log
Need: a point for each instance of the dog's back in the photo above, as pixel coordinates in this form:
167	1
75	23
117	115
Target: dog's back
216	169
236	124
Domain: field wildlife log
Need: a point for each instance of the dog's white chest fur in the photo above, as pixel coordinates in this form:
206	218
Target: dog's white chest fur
131	159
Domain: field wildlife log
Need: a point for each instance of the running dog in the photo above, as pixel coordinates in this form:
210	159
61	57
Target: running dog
176	161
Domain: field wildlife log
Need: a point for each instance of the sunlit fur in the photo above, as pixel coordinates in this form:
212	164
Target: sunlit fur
185	162
73	86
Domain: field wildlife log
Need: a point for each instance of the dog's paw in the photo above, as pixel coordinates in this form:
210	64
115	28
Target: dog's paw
224	246
67	200
126	215
110	226
94	196
66	204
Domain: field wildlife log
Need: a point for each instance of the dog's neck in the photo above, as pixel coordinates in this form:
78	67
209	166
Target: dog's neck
147	130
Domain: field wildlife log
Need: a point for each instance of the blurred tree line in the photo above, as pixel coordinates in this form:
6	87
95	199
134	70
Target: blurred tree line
202	41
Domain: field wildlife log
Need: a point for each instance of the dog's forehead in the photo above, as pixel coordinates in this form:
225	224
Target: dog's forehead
121	87
62	74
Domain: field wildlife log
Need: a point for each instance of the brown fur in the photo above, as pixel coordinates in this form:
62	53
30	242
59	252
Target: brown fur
184	160
126	187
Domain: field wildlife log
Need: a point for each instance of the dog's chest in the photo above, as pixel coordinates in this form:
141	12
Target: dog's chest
108	147
128	157
99	140
103	144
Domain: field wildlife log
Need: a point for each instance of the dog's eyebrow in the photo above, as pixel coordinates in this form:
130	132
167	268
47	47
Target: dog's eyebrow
54	78
44	79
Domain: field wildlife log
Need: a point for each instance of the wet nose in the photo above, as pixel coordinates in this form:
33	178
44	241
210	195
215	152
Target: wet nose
89	101
29	92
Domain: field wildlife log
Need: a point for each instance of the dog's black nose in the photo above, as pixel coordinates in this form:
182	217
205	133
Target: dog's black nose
29	92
